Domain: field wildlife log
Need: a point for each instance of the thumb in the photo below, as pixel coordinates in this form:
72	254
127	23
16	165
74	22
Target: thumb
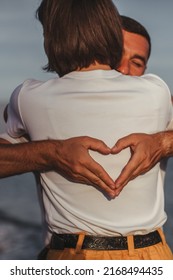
98	146
121	144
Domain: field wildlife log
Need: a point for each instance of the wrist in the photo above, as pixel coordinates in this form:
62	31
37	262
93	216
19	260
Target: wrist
50	153
165	140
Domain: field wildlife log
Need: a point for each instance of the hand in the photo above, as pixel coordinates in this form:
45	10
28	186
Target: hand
146	151
72	159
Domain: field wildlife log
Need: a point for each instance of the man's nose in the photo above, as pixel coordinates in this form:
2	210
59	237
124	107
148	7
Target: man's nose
124	68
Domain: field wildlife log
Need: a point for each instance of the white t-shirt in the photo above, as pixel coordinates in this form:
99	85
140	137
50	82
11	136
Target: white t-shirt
106	105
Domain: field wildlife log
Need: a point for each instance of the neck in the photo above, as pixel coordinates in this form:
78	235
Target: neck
95	66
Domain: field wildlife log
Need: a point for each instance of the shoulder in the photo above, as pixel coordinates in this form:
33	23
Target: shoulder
155	81
26	84
145	83
31	87
34	84
152	84
159	90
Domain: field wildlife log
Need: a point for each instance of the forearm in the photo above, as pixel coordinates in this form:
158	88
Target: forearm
165	141
68	157
25	157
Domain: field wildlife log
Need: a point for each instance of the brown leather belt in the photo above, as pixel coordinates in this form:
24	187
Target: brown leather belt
62	241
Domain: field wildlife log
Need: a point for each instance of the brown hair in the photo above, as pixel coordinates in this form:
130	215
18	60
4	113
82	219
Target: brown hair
79	32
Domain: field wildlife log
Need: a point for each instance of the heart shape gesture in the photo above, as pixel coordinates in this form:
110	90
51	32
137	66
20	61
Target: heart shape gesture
72	158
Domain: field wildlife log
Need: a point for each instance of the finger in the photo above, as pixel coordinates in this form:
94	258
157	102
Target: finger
100	174
122	144
92	171
99	184
98	146
128	172
120	186
98	177
91	179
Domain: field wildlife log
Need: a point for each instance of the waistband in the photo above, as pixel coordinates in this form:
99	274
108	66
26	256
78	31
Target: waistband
90	242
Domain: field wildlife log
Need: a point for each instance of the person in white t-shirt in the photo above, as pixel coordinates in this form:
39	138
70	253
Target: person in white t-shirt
136	52
92	99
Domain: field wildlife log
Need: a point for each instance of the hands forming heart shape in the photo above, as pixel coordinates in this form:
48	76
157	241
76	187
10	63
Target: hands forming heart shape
76	163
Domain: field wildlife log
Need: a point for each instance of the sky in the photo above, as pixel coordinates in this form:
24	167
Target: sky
21	41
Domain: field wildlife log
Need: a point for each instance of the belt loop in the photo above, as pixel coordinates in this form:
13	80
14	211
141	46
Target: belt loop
162	236
130	243
80	242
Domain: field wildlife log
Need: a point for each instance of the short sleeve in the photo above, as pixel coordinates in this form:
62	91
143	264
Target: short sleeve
15	126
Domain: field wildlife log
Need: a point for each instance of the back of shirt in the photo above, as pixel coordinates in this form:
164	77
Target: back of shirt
105	105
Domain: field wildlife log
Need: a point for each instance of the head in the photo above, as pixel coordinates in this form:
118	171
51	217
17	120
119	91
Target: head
79	33
137	47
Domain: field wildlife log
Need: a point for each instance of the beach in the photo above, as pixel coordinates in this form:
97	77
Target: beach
21	229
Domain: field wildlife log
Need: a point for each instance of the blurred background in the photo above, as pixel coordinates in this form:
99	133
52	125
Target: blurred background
22	57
